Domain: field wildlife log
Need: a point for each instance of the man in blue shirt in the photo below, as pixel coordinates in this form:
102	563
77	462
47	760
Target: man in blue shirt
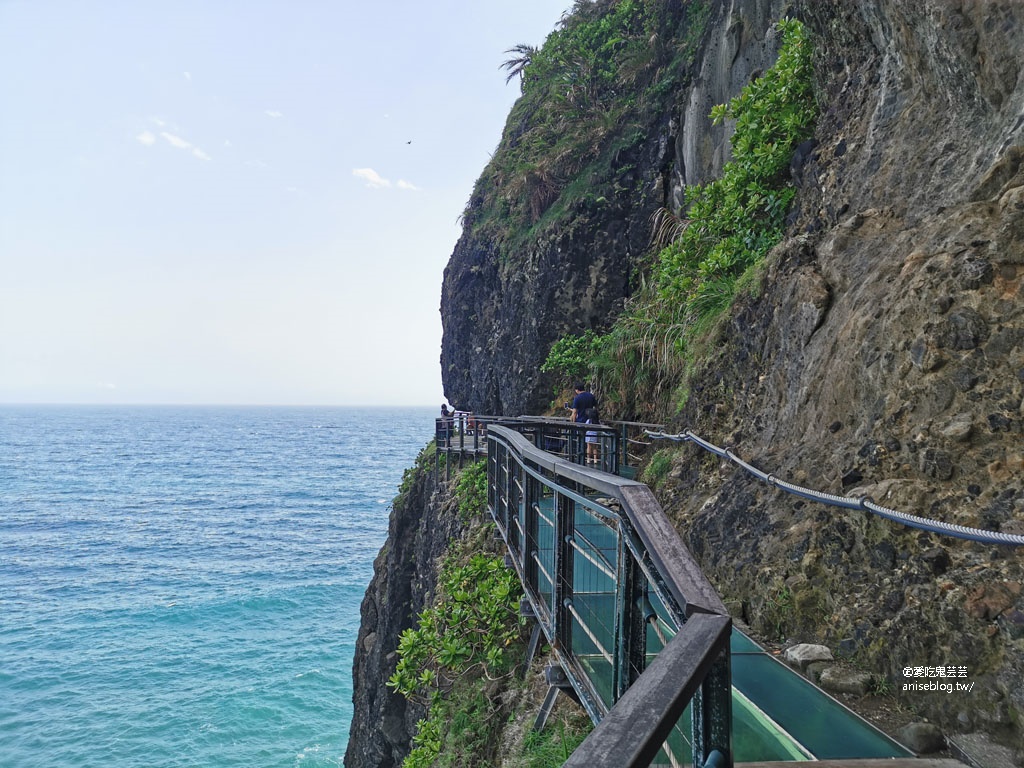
583	400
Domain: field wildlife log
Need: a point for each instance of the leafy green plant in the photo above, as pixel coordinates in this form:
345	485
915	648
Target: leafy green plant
522	55
571	356
551	747
606	72
424	460
469	632
659	465
471	490
456	731
729	226
473	622
881	686
777	611
734	221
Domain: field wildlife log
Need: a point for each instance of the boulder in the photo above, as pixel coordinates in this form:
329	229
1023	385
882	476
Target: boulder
801	655
922	738
844	680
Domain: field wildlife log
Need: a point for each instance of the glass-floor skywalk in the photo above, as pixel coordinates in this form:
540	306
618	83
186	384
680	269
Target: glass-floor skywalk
778	715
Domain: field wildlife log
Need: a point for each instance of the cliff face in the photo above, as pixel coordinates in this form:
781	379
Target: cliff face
501	313
881	354
503	304
883	357
404	576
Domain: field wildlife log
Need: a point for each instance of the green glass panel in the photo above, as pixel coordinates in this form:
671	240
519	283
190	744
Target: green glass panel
756	738
597	612
825	727
740	643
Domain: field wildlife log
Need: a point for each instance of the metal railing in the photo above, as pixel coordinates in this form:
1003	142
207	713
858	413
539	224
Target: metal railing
941	527
618	443
638	630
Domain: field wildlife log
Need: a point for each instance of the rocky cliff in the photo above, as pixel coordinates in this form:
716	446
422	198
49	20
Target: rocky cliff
421	525
506	297
879	354
883	357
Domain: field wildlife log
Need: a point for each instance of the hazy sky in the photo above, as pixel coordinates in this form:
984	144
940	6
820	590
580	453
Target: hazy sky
240	201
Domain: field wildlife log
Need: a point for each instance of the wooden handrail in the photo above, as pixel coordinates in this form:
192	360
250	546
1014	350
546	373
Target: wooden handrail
645	704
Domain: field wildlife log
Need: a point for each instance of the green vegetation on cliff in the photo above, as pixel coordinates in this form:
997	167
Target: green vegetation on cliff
588	94
728	228
467	638
463	658
471	490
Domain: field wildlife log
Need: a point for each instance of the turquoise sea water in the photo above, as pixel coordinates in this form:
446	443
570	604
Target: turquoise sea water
180	586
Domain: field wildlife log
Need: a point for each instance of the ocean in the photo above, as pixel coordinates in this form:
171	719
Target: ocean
180	586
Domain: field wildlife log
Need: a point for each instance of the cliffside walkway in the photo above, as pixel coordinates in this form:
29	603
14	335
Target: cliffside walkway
640	636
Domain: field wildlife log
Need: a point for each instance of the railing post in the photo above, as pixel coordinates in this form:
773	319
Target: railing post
501	468
511	501
632	651
530	524
613	454
623	447
492	475
712	712
563	586
462	440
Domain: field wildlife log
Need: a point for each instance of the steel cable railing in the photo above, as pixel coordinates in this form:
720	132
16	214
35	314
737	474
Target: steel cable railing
846	502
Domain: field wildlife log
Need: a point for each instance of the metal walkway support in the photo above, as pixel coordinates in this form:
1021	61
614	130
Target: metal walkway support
638	630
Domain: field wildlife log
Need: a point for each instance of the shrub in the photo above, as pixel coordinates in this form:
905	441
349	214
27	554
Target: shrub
730	224
571	356
471	490
469	632
659	465
734	221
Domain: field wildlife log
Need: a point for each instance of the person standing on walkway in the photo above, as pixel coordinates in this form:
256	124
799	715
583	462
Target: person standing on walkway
582	402
447	419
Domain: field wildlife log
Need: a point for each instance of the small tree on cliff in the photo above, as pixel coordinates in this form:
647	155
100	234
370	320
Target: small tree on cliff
519	62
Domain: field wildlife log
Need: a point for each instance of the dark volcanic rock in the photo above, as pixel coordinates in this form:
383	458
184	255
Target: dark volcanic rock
502	306
881	356
917	227
404	577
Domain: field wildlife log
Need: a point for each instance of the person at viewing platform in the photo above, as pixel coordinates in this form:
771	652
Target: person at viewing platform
584	399
447	419
460	421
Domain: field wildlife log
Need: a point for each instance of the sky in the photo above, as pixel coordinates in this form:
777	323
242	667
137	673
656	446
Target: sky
240	201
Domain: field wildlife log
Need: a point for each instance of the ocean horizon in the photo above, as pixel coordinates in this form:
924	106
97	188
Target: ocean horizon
180	584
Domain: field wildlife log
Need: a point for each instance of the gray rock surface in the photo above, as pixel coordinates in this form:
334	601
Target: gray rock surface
923	738
909	386
842	680
980	751
801	655
404	577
